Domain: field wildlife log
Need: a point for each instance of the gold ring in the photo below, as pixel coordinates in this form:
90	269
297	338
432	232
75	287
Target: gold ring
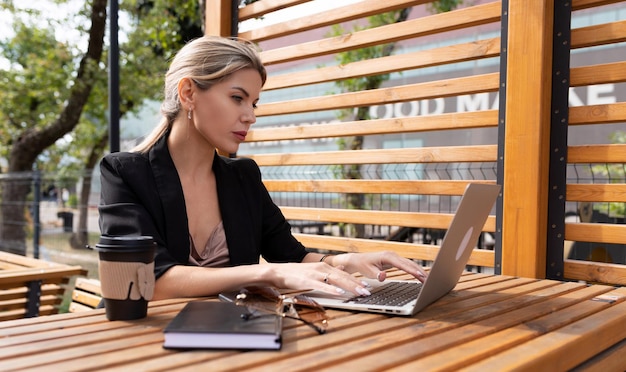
326	278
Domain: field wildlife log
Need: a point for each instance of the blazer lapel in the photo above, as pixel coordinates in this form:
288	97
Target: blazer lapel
173	203
235	212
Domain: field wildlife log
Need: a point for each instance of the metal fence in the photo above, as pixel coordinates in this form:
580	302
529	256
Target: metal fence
42	216
46	216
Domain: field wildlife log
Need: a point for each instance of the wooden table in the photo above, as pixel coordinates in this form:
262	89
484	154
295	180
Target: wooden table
488	323
30	287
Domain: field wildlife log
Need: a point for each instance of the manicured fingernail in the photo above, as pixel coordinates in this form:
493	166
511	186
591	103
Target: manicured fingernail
339	290
365	284
362	291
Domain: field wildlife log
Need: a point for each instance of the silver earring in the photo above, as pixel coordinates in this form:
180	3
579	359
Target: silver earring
189	114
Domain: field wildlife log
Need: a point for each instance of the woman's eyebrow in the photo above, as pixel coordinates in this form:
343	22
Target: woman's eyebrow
242	90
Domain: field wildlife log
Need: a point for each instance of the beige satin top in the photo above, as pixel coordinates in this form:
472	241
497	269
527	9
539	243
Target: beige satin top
215	251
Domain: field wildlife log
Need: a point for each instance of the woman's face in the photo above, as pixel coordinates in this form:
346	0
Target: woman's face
224	113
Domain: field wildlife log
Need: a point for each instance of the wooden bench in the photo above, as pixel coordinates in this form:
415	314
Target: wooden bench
30	287
86	295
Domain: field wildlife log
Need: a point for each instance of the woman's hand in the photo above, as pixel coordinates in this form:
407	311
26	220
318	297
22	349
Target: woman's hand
317	276
373	265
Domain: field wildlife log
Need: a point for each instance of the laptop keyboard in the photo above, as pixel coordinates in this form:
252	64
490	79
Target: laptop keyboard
391	294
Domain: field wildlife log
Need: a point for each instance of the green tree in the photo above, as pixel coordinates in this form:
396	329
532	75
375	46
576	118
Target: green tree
78	104
42	96
159	29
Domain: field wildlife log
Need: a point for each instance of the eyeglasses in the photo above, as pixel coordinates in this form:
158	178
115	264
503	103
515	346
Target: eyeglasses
293	305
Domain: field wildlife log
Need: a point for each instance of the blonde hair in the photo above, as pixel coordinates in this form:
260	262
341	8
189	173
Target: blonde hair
206	61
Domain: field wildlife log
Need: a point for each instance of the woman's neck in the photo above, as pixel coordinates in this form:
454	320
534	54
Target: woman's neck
191	153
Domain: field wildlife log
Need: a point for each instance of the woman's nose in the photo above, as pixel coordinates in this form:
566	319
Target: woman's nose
249	117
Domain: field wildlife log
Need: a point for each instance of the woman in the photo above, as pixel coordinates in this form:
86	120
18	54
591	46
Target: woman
211	216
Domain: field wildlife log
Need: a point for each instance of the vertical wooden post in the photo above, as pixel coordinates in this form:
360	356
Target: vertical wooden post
527	137
218	21
218	17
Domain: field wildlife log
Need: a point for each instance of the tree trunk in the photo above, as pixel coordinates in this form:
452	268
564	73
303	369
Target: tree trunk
12	233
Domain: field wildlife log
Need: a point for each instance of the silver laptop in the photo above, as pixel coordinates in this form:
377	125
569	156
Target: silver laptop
393	296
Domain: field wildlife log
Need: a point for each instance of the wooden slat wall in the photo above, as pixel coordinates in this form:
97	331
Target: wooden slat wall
424	26
597	193
525	196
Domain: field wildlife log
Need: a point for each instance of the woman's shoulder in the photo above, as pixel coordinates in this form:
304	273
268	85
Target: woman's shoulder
242	165
123	159
240	162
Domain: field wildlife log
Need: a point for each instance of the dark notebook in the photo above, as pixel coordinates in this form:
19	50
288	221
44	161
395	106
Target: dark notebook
220	325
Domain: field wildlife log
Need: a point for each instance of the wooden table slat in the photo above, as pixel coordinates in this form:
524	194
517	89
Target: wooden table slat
569	346
559	311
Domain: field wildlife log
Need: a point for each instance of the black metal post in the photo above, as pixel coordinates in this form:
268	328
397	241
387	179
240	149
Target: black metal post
35	210
504	32
34	299
114	80
559	121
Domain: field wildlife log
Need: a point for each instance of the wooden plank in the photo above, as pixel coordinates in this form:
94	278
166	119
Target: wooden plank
46	329
89	285
478	348
602	34
595	272
217	17
478	153
563	350
585	4
21	303
611	359
413	28
66	354
401	62
10	266
465	120
27	262
327	18
20	277
76	307
22	292
528	84
598	74
412	187
614	153
596	232
597	114
386	218
86	299
612	192
437	89
260	8
479	257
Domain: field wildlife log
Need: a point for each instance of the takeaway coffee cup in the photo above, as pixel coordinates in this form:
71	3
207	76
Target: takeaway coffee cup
126	267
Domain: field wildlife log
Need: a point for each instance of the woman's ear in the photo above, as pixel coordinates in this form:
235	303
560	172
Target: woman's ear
185	92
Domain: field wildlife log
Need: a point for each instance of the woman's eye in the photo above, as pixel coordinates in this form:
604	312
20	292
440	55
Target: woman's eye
238	98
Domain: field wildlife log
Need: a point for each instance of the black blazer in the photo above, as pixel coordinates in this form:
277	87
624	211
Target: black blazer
142	195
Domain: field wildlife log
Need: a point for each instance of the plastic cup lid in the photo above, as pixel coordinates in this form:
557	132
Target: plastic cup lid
125	243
